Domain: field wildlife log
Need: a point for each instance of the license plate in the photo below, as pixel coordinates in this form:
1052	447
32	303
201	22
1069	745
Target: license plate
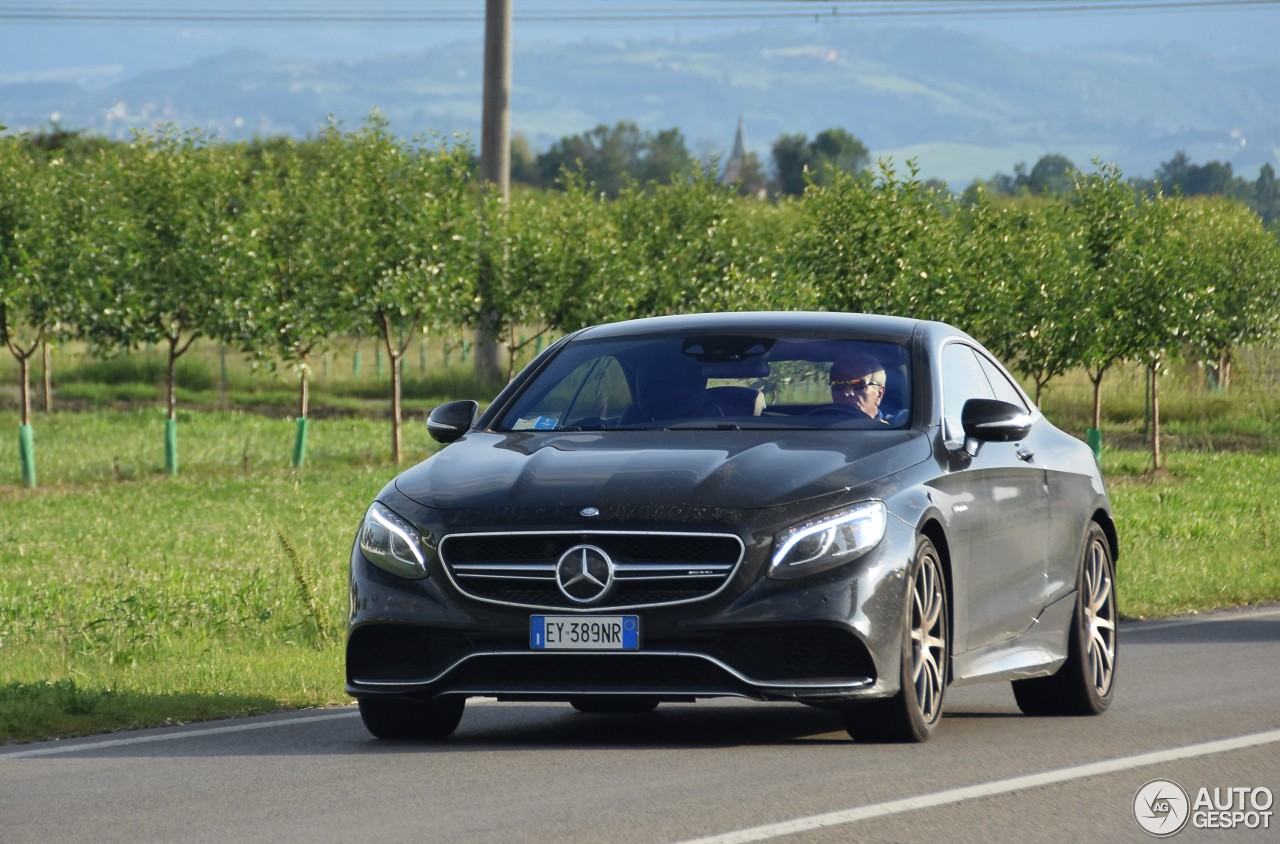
584	633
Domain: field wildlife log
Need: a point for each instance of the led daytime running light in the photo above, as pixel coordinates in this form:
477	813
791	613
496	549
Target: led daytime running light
861	528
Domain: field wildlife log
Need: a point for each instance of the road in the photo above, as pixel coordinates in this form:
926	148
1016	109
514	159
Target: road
1199	704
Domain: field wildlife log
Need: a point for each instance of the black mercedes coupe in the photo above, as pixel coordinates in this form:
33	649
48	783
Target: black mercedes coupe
847	511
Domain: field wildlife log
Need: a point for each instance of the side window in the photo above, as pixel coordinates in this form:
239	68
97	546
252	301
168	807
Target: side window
1004	389
594	390
603	394
962	379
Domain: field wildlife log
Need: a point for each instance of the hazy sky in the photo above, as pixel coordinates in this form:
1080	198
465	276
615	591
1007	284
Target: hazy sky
49	38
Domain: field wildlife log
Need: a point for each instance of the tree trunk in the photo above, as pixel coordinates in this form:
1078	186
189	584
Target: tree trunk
1096	379
304	389
1156	457
47	361
24	387
304	401
171	398
395	355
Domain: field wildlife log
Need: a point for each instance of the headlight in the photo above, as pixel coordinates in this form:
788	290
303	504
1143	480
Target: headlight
828	540
391	543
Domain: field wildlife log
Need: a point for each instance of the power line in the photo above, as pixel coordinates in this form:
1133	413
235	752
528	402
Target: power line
418	12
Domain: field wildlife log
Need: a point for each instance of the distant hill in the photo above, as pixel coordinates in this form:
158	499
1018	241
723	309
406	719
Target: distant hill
964	105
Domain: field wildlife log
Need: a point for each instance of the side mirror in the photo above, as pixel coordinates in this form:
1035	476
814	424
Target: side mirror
451	420
992	421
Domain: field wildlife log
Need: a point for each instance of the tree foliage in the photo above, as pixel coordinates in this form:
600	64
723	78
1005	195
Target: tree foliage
798	162
611	157
277	248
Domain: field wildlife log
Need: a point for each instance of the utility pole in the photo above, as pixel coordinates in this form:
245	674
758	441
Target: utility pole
495	130
495	162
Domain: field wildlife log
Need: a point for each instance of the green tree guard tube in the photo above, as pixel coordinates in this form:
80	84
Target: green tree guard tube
1093	436
27	455
300	444
171	446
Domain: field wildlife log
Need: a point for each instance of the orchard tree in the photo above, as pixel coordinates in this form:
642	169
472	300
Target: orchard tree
48	259
25	307
1166	297
753	278
1235	263
282	305
1142	290
177	200
402	234
676	247
878	246
1103	213
1027	297
564	261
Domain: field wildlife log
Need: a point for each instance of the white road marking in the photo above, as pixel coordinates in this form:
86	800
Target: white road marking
973	792
53	750
1226	615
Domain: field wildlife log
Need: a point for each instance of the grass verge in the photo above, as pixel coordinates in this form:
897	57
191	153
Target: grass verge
129	598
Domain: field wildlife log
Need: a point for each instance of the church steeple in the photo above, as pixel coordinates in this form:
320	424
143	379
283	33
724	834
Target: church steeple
733	164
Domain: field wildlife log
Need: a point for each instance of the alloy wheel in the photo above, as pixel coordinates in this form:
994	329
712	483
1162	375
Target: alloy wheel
928	638
1099	618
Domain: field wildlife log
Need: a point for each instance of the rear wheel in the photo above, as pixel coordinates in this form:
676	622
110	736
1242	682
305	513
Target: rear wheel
912	714
1086	682
390	718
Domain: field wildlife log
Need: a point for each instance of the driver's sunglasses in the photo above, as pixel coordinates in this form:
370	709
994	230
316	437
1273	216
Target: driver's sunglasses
855	384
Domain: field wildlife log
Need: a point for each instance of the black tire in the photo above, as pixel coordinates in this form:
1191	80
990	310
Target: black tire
390	718
613	704
1086	683
912	714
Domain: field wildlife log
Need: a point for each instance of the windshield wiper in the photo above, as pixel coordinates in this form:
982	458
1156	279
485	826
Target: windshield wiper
703	425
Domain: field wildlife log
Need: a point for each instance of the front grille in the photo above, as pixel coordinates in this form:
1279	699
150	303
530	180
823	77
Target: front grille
649	568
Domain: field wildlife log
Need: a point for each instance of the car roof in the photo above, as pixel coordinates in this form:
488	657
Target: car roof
817	322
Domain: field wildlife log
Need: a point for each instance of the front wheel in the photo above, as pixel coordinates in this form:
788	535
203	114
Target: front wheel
390	718
1086	682
912	714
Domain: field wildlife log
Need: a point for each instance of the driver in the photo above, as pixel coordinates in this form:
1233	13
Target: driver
858	381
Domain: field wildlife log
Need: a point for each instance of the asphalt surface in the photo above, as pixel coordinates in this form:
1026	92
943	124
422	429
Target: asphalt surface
1198	704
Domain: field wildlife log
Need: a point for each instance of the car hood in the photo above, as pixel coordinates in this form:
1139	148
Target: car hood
728	470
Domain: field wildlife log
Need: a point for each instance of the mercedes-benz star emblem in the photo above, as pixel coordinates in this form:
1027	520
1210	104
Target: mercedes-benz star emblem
584	574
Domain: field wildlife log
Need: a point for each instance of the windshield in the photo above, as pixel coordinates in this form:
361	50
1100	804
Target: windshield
718	382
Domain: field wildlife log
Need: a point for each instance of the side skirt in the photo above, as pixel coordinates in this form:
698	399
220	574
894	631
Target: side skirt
1038	652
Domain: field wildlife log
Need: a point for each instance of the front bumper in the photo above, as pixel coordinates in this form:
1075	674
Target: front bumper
826	639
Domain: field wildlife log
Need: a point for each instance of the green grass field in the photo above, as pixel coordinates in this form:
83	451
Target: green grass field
129	598
132	598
